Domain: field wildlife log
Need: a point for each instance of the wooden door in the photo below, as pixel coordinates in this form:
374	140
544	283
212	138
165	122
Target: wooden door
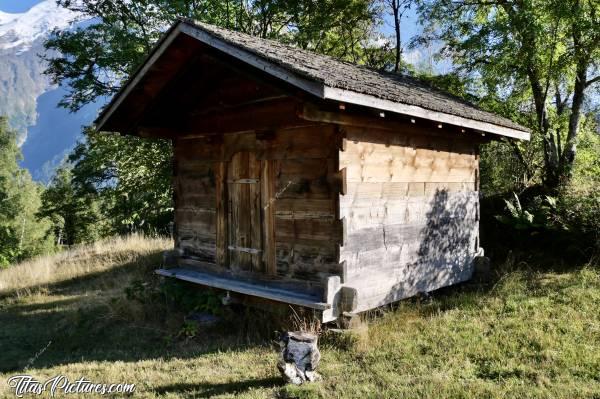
245	226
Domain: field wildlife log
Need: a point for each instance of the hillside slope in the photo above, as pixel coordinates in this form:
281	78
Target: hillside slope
532	333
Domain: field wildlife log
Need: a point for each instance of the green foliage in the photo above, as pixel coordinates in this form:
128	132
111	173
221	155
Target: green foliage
540	215
21	234
518	217
533	61
586	171
74	214
566	226
94	60
335	27
178	295
129	177
579	211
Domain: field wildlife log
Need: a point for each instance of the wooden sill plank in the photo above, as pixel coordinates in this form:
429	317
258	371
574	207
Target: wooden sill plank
246	288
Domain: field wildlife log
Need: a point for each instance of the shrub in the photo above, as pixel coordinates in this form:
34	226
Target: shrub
567	225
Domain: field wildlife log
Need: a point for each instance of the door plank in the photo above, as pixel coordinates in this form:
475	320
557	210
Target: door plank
245	214
221	210
255	214
268	210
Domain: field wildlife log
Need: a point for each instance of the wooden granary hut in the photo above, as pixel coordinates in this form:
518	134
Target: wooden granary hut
306	180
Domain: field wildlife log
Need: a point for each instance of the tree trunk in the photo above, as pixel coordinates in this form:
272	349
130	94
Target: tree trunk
567	158
396	11
551	150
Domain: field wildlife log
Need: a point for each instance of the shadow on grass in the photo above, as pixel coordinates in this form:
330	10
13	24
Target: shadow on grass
78	320
208	390
532	273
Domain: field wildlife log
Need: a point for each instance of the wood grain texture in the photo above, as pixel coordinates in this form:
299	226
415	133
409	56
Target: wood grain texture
297	183
306	261
411	213
244	212
268	215
221	205
372	162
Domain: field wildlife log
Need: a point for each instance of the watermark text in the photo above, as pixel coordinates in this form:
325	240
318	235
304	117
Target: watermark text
26	384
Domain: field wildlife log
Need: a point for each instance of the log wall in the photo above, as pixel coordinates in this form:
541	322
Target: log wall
410	212
299	168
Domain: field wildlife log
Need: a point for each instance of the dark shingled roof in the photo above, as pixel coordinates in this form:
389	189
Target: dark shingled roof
356	78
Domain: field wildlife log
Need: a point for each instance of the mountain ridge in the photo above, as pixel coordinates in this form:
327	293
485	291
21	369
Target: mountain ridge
20	30
27	96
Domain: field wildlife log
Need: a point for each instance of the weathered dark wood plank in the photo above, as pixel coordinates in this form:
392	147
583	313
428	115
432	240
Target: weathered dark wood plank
275	280
306	262
264	115
322	231
221	202
308	142
268	201
245	213
308	208
255	220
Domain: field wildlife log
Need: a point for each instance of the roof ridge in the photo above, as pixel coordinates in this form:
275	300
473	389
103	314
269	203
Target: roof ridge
416	82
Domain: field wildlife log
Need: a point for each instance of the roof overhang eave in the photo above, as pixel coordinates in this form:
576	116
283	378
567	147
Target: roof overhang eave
119	97
352	97
318	89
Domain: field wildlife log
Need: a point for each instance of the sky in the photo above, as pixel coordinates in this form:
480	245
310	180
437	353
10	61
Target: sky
17	6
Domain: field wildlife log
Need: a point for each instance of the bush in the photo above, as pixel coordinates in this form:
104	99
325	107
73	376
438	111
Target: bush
183	297
566	226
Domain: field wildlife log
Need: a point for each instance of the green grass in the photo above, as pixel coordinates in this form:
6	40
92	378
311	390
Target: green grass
535	332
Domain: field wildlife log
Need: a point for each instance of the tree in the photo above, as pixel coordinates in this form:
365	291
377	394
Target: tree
544	52
399	7
131	178
95	59
21	234
74	213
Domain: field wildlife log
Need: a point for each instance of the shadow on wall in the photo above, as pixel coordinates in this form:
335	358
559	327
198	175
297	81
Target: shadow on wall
445	249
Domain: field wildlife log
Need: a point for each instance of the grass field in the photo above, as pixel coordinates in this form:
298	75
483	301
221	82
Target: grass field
533	332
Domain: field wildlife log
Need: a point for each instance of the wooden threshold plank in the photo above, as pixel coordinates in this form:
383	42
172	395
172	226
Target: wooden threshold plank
243	287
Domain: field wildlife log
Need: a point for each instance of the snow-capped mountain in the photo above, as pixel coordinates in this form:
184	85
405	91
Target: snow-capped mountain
27	98
20	31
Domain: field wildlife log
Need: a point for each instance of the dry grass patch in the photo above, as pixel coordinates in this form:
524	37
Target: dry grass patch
37	274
